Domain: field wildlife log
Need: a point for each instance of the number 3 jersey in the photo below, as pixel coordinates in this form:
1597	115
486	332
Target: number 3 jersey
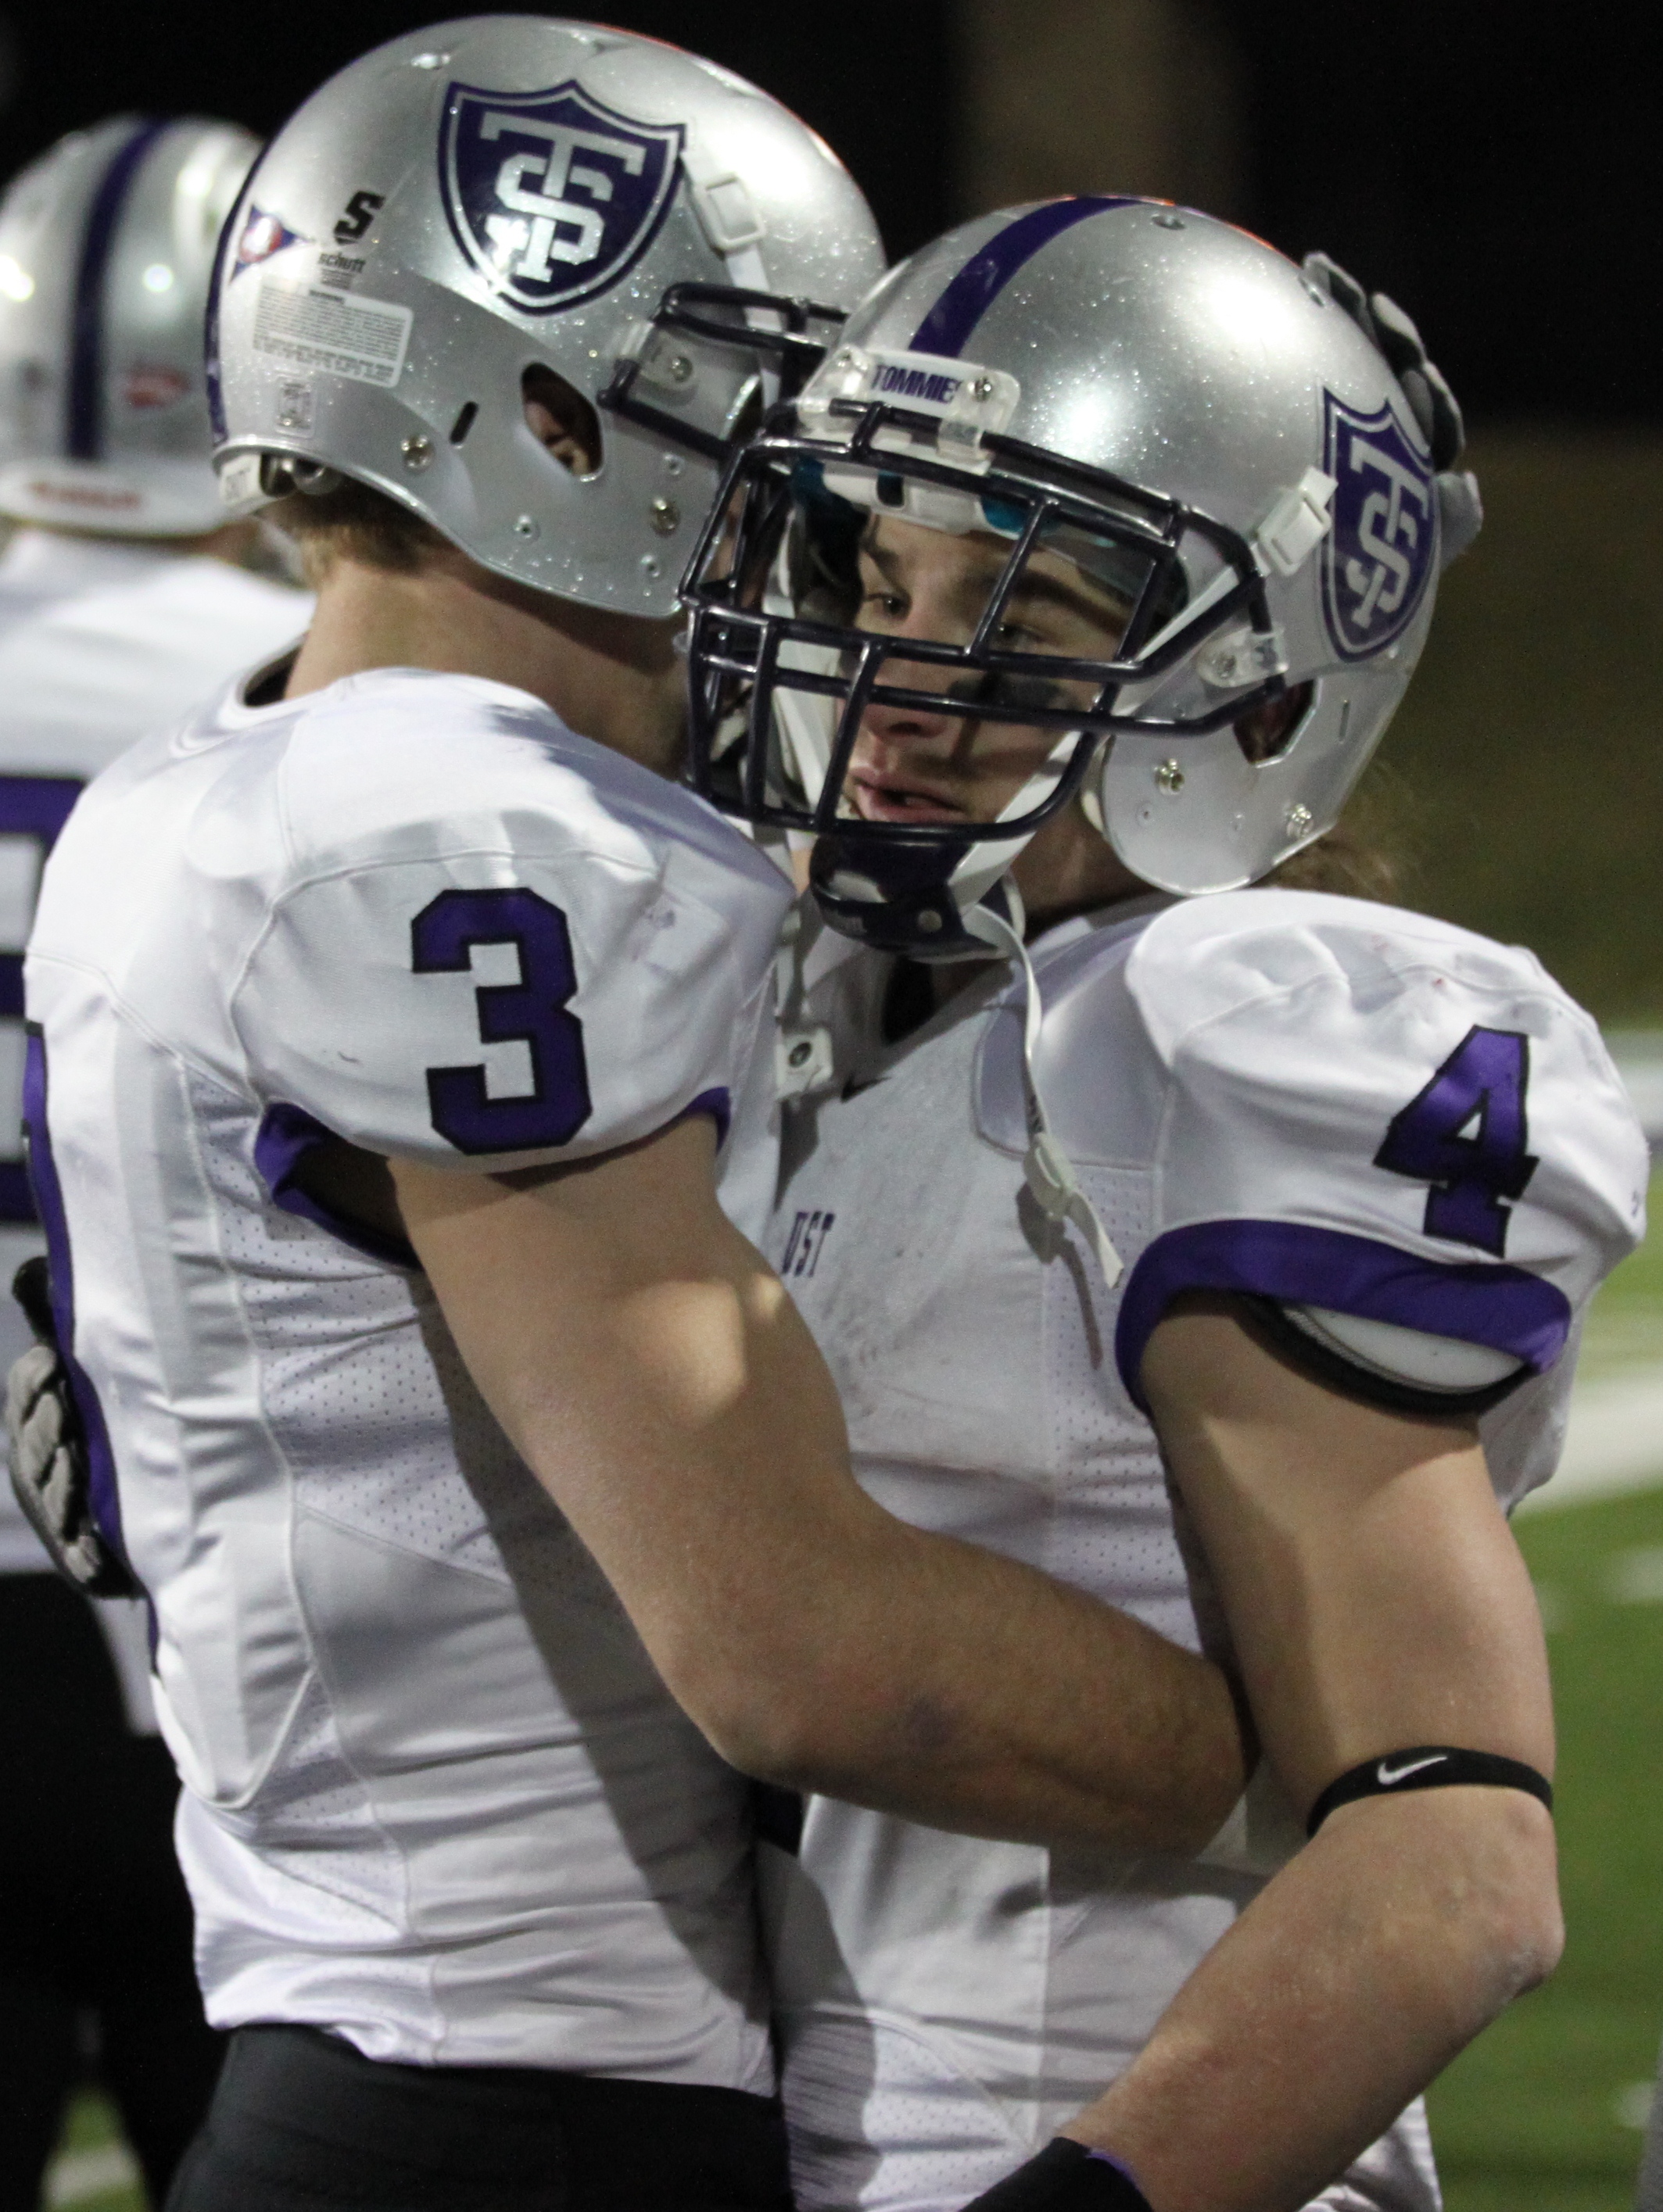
436	1797
1378	1118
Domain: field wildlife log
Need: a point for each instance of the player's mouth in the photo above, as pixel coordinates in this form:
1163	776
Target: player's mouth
881	796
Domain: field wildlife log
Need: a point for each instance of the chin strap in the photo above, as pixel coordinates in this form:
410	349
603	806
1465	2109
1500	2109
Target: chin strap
1049	1170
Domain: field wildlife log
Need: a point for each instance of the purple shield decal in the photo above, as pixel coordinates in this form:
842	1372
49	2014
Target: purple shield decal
550	195
1379	554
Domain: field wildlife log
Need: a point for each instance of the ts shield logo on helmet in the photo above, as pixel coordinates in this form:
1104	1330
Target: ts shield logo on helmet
1379	554
551	196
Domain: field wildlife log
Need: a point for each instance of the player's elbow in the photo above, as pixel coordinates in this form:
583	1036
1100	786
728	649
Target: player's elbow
796	1705
775	1727
1510	1897
1529	1937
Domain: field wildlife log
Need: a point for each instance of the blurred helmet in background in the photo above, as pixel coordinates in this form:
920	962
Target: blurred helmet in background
1208	438
107	249
493	201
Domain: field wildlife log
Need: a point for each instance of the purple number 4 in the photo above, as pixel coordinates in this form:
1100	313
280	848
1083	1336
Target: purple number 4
1464	1134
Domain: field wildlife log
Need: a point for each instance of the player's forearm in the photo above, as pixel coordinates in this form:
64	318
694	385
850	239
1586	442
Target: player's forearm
1357	1975
953	1686
823	1644
665	1391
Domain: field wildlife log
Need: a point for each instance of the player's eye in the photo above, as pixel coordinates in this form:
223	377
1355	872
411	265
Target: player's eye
882	604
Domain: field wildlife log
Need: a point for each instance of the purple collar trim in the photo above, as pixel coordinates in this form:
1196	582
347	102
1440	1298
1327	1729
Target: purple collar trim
1505	1307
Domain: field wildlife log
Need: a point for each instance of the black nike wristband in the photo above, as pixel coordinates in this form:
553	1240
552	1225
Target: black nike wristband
1428	1766
1065	2176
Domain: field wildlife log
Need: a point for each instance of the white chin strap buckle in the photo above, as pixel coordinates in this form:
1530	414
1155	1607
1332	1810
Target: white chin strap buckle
1048	1170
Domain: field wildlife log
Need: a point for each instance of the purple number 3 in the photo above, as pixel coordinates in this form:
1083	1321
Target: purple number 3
532	1011
1464	1134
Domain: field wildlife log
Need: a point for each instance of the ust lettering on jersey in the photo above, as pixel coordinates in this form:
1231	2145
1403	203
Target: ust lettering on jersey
805	1243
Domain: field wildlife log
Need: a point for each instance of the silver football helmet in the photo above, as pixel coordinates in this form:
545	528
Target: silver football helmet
1233	475
475	202
106	247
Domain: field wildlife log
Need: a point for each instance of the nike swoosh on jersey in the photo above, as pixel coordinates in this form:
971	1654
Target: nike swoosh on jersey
1389	1777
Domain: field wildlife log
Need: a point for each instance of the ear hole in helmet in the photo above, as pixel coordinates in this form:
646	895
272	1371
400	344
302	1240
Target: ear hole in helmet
561	420
464	422
1266	731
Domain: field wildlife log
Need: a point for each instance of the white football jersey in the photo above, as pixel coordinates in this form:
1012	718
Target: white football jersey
436	1797
100	643
1321	1101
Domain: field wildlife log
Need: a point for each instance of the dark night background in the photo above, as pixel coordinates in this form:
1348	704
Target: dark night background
1497	168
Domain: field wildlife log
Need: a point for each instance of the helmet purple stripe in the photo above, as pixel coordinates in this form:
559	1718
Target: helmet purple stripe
948	326
86	396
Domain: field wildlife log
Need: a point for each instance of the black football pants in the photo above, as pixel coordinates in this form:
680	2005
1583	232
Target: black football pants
301	2122
94	1917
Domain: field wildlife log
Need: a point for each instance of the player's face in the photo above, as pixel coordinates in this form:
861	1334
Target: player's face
910	764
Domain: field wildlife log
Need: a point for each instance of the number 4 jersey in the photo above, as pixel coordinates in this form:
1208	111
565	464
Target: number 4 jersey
1407	1136
436	1797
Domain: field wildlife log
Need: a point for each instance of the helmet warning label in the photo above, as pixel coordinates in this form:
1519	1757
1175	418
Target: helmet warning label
363	339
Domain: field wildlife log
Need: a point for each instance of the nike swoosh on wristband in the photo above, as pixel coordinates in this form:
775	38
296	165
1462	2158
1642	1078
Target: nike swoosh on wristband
1388	1777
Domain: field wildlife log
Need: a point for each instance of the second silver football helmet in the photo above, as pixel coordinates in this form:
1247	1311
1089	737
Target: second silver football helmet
476	203
107	246
1213	444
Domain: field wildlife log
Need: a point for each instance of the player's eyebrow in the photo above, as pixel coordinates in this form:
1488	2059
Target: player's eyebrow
1031	588
884	560
1054	592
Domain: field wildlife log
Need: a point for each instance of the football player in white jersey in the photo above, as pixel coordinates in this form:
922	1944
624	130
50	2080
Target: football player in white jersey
123	602
393	1020
1222	1254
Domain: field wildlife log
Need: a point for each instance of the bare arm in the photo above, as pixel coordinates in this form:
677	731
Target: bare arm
1377	1601
654	1374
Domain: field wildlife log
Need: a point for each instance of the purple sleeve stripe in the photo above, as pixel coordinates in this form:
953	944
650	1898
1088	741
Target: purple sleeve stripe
1506	1308
286	1134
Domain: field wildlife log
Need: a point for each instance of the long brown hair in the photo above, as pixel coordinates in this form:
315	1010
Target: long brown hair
1369	851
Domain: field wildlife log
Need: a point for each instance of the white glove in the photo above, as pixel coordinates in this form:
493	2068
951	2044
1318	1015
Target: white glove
49	1471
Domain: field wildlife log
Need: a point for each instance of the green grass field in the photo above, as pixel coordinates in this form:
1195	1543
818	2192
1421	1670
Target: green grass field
1542	2113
